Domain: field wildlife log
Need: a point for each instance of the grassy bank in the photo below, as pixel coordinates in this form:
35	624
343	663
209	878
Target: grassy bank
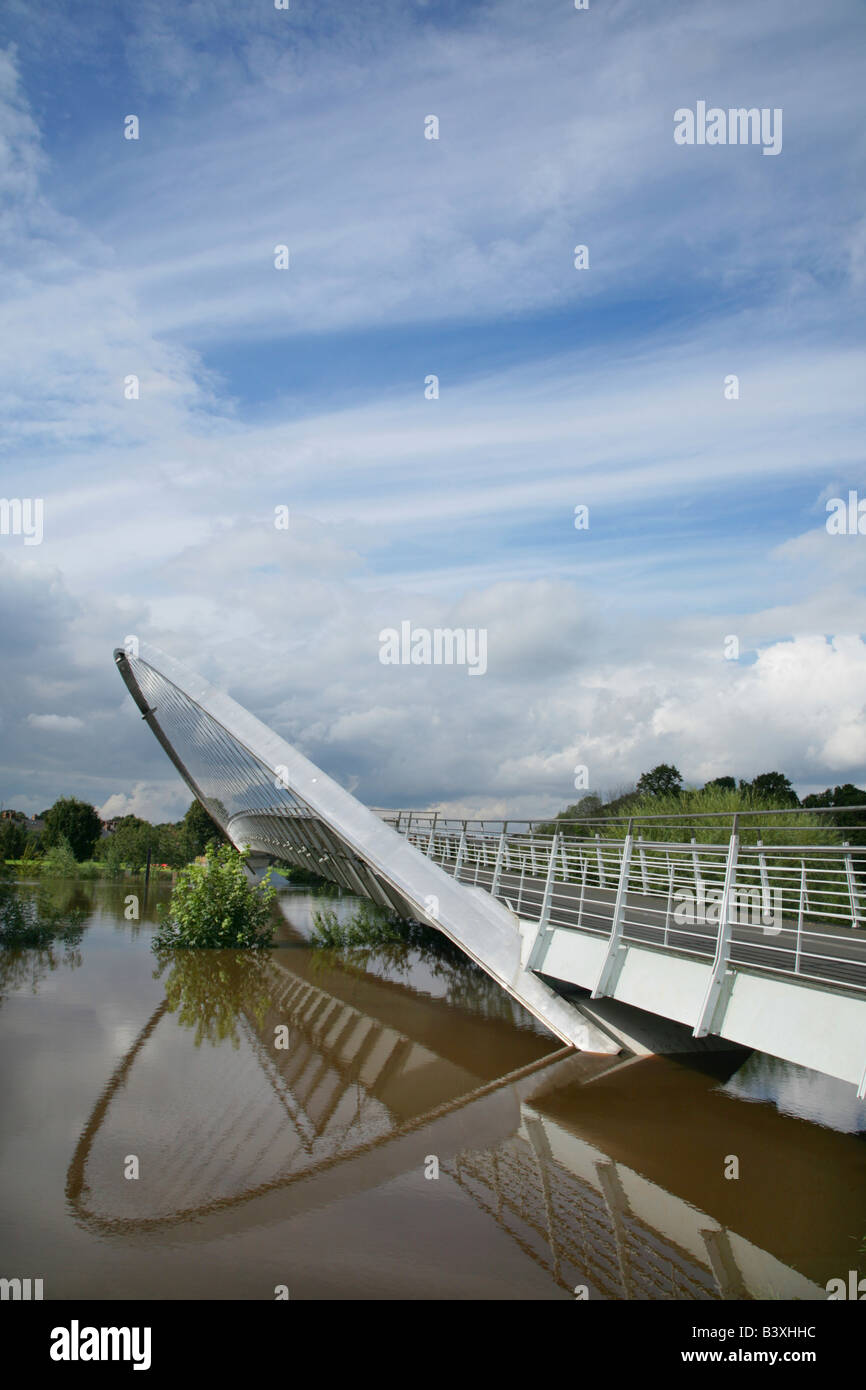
88	870
718	806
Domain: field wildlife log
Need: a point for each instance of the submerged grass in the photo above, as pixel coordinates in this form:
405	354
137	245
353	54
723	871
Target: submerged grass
32	919
369	926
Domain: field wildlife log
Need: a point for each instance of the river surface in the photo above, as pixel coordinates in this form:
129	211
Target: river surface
388	1125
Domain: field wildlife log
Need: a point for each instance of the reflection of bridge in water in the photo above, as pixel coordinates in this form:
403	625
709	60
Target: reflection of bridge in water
234	1133
598	914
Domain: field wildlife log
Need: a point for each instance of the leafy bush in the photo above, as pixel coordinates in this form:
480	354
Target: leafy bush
60	862
214	905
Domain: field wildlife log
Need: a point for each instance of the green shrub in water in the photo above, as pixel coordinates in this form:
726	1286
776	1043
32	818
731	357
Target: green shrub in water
214	905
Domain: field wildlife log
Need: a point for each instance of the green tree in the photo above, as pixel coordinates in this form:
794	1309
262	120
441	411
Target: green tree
215	905
854	822
74	821
108	851
724	784
172	845
131	839
13	838
772	787
663	780
200	830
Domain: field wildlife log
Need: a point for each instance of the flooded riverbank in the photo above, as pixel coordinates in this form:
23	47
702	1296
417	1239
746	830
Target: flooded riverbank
386	1125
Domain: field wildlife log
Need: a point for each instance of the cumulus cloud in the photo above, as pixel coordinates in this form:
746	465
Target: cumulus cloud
154	801
56	723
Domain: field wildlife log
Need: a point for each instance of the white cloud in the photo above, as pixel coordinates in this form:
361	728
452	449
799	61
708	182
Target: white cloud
153	801
56	723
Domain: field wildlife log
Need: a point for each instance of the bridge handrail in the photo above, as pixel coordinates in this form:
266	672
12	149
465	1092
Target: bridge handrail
497	825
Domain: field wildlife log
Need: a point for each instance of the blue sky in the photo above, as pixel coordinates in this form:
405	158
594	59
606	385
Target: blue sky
305	388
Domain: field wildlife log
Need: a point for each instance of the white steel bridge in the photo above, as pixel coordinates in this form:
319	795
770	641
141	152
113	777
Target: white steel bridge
746	929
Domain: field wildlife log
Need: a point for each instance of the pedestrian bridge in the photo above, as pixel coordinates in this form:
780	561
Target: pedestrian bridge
634	933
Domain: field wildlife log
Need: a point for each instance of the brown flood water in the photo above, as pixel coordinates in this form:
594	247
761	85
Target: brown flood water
310	1165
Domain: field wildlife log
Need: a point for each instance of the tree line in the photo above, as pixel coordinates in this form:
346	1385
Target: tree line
76	824
662	788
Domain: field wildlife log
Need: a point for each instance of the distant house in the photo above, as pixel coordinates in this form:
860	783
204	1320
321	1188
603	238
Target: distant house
109	826
12	815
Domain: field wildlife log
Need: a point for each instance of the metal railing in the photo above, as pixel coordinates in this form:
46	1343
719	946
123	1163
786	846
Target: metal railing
780	892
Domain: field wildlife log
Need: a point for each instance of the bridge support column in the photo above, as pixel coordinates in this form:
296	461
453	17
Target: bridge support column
720	961
461	852
536	954
548	884
602	984
497	868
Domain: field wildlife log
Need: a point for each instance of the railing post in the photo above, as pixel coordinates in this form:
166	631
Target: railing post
717	974
564	857
497	868
643	877
670	898
800	915
548	885
852	888
605	973
432	839
696	863
765	882
461	851
601	882
584	869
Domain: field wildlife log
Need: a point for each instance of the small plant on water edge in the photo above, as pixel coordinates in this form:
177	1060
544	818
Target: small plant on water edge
214	905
